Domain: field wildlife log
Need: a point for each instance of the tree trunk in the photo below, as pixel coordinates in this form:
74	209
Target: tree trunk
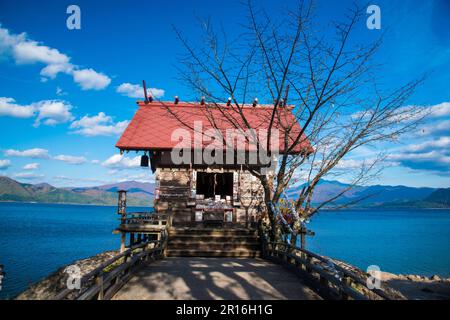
273	222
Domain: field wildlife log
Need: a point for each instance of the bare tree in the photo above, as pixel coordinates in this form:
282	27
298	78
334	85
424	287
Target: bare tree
330	80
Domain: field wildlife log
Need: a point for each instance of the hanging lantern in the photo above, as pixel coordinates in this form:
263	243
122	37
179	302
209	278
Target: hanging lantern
152	161
144	161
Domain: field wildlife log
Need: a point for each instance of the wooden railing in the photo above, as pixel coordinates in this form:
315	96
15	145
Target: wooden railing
329	279
105	280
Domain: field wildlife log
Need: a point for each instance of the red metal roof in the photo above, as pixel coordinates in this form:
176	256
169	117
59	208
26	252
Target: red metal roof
153	124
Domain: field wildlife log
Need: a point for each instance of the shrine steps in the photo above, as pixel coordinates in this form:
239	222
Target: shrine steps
208	242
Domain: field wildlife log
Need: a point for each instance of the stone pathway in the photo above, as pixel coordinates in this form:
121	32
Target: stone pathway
214	278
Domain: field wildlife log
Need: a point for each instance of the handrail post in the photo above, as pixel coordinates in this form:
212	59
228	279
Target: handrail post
323	281
166	240
99	282
123	237
298	263
308	263
290	250
347	282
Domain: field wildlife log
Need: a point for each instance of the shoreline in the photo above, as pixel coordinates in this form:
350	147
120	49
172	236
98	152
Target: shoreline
47	287
324	209
417	287
409	286
384	208
71	204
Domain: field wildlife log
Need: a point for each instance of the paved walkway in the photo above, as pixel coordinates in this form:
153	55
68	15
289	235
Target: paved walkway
214	278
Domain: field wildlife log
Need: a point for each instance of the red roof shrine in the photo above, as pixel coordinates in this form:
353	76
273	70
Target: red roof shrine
154	122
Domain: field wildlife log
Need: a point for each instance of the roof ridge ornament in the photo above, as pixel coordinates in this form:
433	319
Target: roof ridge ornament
147	98
286	96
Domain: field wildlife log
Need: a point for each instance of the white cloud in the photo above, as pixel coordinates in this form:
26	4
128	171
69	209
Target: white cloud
439	127
440	110
350	164
38	153
31	166
35	153
99	125
90	79
73	180
413	112
428	147
28	175
8	41
52	70
433	111
141	177
11	109
136	91
70	159
440	143
421	156
347	165
4	164
120	161
51	112
88	121
60	92
427	155
27	51
425	161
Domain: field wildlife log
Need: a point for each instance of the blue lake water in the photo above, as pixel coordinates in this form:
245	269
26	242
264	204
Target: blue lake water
408	241
37	239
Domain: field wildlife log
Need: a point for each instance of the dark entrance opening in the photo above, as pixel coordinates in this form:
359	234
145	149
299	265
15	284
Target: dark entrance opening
215	184
205	184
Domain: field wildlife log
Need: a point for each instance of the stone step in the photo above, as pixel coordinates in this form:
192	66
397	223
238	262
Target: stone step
243	253
213	242
199	246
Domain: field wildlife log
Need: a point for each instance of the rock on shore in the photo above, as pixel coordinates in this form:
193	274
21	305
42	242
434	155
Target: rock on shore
410	287
47	288
415	287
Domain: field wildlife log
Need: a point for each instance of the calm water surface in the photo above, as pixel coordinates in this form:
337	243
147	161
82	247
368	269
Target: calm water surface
37	239
409	241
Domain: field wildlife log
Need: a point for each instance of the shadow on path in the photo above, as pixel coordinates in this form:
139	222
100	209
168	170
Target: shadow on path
214	278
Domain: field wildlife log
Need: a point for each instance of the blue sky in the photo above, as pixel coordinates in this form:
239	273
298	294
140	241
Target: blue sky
65	95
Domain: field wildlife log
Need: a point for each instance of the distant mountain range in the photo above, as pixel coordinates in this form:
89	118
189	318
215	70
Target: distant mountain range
379	196
141	194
